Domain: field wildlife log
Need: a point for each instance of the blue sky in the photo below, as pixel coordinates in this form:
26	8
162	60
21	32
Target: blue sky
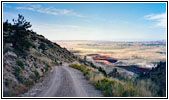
93	21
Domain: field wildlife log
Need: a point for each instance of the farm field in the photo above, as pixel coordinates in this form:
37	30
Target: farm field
140	54
133	52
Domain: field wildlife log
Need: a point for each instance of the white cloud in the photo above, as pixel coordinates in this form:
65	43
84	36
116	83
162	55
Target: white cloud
160	18
26	8
51	10
36	6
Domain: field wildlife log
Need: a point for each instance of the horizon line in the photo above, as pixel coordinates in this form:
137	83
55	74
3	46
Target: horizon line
115	40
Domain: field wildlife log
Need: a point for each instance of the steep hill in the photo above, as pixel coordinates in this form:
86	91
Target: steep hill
27	56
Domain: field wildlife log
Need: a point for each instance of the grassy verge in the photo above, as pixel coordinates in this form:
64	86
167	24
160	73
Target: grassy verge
113	87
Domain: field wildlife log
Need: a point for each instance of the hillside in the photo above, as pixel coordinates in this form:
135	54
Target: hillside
158	76
27	56
114	84
30	59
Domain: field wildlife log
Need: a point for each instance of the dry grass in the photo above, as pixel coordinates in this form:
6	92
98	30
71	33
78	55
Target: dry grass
45	59
115	88
136	53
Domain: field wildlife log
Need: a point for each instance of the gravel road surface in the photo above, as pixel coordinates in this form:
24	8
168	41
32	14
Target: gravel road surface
64	81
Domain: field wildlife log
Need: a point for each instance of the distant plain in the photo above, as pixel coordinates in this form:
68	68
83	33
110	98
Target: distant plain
129	53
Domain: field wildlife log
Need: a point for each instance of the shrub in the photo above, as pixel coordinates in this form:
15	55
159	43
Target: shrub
33	38
79	67
20	63
102	71
115	87
49	43
145	88
21	33
42	46
128	92
6	49
86	71
23	44
115	74
17	71
21	22
7	82
46	69
18	52
108	87
37	76
101	84
29	83
92	65
26	44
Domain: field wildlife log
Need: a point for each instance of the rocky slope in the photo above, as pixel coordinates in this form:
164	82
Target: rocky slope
158	76
27	56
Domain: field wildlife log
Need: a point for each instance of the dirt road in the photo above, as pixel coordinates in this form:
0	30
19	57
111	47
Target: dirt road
64	81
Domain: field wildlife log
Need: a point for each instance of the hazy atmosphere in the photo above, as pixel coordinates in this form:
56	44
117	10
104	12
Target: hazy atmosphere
93	21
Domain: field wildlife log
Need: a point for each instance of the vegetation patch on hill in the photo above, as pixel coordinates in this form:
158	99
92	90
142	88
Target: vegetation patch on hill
114	87
27	56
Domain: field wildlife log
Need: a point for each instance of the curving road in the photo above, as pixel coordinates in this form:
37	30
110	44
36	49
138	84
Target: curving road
64	81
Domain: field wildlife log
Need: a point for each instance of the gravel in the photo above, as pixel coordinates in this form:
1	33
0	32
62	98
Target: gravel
63	81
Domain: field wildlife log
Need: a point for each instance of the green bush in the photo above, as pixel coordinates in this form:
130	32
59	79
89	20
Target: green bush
29	83
23	44
102	84
86	71
116	87
102	71
128	92
92	65
20	63
18	52
26	44
79	67
42	46
33	38
6	49
37	76
46	69
17	71
106	86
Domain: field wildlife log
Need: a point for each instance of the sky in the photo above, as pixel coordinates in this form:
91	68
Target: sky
93	21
